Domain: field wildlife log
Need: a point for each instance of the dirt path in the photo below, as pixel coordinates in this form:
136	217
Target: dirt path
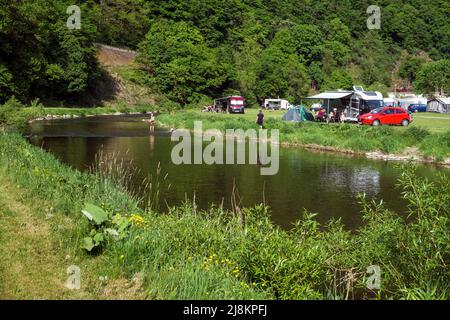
30	267
34	259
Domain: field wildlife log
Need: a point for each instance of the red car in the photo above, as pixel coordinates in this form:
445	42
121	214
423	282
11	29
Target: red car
386	115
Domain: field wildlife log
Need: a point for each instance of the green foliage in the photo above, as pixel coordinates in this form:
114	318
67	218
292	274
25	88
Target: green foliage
39	56
181	63
434	77
410	67
204	48
7	87
95	214
13	113
339	79
280	75
121	23
104	227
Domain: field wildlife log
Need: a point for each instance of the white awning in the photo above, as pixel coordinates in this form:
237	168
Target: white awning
332	95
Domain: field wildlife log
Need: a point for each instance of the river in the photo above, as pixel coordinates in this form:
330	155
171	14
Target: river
319	182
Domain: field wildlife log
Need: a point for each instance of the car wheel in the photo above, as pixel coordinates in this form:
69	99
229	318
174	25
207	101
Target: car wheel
405	122
376	123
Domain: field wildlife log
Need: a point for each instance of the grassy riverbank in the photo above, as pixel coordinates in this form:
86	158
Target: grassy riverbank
213	254
418	140
14	114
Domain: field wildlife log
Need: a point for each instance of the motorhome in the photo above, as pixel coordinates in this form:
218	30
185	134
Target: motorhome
351	103
276	104
231	104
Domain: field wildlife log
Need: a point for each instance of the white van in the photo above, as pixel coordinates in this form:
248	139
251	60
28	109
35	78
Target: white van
276	104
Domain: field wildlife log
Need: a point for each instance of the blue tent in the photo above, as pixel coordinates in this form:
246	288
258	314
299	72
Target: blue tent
298	114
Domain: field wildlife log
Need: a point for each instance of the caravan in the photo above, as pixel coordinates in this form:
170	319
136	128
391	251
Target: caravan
276	104
351	103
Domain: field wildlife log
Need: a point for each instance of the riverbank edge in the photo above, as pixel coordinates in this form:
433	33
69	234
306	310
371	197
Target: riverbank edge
412	156
201	244
373	155
50	117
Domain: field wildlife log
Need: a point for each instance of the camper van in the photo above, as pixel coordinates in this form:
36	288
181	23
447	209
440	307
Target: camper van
351	103
361	102
365	101
276	104
231	104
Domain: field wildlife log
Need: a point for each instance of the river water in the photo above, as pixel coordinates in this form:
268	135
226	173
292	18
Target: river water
319	182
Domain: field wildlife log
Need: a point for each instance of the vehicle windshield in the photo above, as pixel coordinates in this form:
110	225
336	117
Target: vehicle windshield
237	102
377	110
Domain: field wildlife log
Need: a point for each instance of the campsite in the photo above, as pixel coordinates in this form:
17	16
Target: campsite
224	150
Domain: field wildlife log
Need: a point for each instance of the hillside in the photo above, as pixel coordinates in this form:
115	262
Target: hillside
118	86
190	51
112	56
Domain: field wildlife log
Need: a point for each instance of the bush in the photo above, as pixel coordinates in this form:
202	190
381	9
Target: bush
416	133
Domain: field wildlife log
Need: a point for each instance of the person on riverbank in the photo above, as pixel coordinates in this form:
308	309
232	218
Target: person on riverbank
320	117
337	115
330	117
342	117
260	119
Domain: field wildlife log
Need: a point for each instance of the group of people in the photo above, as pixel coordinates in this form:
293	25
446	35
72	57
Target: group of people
333	116
209	108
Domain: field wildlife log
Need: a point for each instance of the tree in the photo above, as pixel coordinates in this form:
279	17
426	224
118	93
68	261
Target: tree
179	61
245	59
40	56
434	77
316	74
409	68
336	30
308	41
339	79
7	88
280	75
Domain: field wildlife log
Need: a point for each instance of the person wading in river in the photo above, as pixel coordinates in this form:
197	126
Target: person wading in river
260	119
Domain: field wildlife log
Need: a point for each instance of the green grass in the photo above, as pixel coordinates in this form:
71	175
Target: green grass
345	137
16	115
434	122
241	254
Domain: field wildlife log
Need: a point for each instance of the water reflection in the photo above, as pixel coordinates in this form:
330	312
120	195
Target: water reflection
365	180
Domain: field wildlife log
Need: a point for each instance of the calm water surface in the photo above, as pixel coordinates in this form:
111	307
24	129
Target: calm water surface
323	183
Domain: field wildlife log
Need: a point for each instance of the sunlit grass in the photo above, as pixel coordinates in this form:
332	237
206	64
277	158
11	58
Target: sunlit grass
353	137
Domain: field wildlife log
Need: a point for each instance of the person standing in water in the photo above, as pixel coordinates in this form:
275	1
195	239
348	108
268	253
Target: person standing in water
260	119
152	121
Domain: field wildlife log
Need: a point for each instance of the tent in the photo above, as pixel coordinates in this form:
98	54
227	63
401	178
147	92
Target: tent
298	114
441	105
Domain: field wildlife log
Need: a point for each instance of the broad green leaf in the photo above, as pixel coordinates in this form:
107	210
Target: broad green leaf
112	232
94	213
121	222
88	244
99	238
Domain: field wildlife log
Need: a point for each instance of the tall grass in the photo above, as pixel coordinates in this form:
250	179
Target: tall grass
241	254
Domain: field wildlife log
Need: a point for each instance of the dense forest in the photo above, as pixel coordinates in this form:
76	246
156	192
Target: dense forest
192	49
